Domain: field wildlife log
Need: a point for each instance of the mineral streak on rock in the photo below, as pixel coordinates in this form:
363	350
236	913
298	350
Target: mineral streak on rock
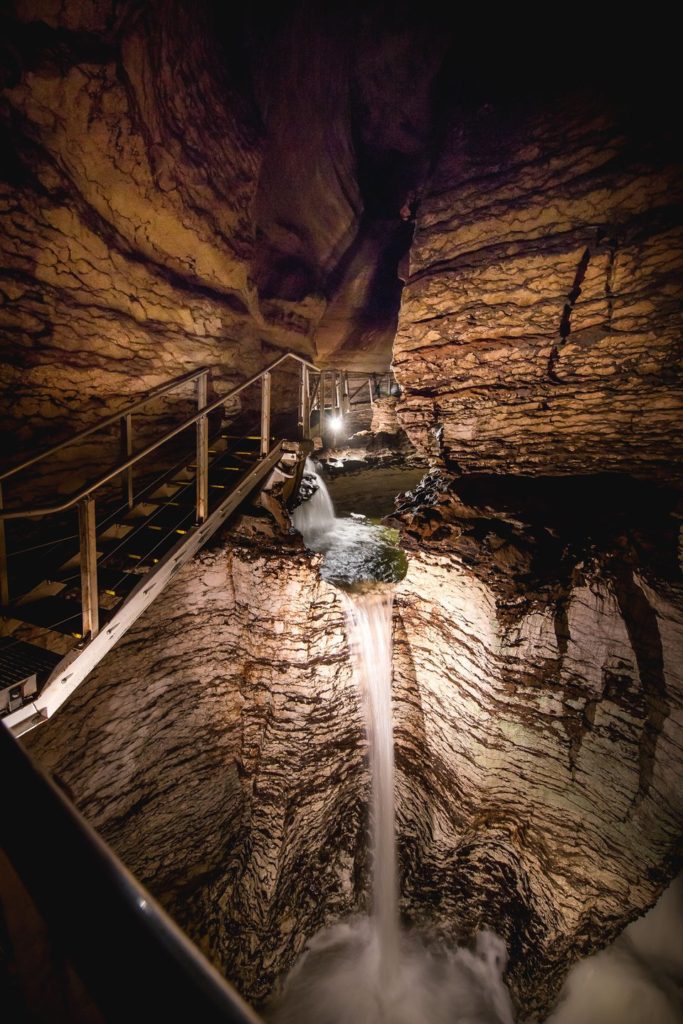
540	326
538	732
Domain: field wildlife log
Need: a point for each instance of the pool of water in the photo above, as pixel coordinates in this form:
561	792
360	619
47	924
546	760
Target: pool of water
356	551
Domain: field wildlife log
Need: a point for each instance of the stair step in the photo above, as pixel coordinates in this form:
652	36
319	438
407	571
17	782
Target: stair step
150	547
47	639
166	518
127	548
116	582
54	613
25	571
20	661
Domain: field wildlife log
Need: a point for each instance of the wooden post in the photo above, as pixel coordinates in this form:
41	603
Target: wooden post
90	601
265	414
126	452
202	450
4	578
321	405
346	401
305	404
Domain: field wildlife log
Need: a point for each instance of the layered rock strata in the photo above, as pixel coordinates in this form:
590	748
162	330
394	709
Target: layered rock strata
126	261
540	325
538	728
220	751
542	650
181	186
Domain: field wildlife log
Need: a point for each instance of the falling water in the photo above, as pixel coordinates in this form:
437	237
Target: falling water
355	550
367	970
368	623
313	518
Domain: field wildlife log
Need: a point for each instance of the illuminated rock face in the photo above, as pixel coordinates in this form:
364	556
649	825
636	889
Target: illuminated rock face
126	251
538	724
182	187
178	191
540	651
219	749
540	326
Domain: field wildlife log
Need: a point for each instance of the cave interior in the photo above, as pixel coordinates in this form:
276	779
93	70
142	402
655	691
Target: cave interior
478	235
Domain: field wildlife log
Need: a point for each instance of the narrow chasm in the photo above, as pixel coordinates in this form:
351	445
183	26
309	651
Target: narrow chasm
401	742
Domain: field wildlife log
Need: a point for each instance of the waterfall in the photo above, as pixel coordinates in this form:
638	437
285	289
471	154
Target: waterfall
354	549
368	970
369	622
314	517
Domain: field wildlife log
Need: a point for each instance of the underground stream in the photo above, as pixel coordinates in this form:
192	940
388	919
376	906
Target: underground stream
368	970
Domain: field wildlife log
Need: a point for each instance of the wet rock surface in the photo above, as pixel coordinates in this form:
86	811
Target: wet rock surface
545	652
538	728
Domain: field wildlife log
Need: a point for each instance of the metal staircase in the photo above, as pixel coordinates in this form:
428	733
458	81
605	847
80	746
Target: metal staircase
67	599
67	596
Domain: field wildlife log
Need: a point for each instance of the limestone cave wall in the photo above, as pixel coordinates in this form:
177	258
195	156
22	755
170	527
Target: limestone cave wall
540	324
125	247
182	185
538	728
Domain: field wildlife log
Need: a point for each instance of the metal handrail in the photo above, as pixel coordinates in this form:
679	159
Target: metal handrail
134	961
33	513
85	498
206	519
161	389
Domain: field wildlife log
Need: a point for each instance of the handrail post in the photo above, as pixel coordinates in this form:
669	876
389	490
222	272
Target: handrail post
265	414
305	404
336	378
90	602
202	450
321	404
345	401
126	452
4	578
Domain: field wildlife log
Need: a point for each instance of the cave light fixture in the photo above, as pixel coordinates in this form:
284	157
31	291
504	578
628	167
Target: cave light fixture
336	423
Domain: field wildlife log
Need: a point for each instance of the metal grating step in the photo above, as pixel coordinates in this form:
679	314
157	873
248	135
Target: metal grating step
63	616
20	661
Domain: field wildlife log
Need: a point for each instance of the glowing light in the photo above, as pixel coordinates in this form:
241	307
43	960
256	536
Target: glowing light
336	423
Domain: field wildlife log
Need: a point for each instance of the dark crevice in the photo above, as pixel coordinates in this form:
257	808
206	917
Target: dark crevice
565	322
642	627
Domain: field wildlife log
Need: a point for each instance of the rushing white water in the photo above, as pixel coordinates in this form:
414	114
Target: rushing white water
315	517
368	623
368	970
354	549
